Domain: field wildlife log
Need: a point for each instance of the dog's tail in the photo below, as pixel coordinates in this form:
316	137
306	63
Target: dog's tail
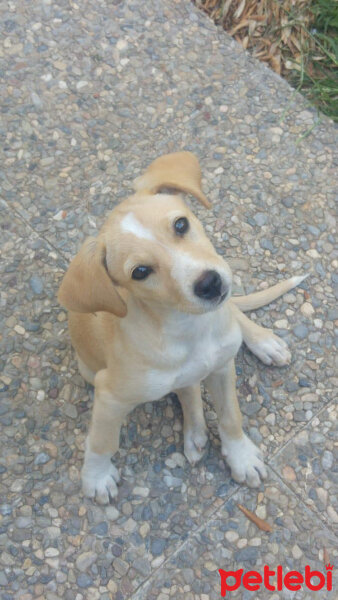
258	299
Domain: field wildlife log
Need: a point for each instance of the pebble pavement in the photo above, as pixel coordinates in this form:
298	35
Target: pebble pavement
91	93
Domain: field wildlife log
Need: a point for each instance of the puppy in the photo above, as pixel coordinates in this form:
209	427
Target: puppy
150	312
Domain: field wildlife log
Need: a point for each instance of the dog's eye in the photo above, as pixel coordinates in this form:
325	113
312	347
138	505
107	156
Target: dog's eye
181	225
141	272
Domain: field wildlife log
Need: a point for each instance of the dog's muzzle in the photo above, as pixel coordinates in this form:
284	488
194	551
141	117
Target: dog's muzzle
209	286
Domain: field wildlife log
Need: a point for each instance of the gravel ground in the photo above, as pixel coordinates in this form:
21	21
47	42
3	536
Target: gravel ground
92	93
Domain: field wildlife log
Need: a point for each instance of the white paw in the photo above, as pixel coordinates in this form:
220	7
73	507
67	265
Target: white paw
194	444
99	477
245	461
271	350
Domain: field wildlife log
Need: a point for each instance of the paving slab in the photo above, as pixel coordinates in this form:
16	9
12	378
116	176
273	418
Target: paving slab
308	464
229	542
92	93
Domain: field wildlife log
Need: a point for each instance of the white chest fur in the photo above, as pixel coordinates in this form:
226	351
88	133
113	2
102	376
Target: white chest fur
194	346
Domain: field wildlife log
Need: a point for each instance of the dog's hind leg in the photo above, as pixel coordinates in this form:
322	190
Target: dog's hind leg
269	348
195	436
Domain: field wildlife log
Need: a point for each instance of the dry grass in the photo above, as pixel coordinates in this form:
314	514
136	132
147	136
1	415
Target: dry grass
296	38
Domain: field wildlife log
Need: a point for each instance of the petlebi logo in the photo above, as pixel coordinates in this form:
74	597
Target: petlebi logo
291	580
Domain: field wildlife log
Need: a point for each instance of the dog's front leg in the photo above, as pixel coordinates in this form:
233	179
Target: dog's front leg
99	475
269	348
243	457
195	436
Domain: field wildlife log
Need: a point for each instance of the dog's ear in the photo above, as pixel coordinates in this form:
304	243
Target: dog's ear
180	171
86	286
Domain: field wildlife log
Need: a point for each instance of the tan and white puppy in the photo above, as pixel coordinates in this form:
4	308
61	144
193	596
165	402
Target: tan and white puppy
150	313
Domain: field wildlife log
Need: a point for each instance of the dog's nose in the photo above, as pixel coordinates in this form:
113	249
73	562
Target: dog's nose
208	286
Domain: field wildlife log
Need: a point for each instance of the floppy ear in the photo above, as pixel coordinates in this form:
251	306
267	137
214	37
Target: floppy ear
179	170
86	286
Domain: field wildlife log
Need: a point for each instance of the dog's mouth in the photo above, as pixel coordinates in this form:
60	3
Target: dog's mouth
223	297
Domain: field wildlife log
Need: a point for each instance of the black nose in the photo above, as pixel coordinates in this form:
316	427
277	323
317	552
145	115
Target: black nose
208	286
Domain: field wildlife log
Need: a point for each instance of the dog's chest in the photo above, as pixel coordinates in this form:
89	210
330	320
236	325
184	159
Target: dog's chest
193	355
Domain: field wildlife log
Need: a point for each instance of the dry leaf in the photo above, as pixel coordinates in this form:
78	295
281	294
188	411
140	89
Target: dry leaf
240	9
245	42
326	557
263	525
275	63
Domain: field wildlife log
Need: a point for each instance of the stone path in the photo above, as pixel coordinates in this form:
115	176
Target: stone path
91	93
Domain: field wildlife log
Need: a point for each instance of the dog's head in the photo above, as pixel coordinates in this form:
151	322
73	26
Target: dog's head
153	246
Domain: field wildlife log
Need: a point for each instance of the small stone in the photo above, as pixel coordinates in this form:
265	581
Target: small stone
251	408
121	566
142	566
271	419
248	554
307	309
231	536
327	460
313	253
332	514
112	513
289	473
301	331
322	495
100	528
141	491
41	459
176	460
6	510
171	481
46	161
36	284
59	215
255	541
288	202
318	323
51	552
144	529
70	410
266	244
157	546
112	587
296	552
60	65
20	330
281	324
81	84
261	219
36	100
85	560
261	511
23	522
84	580
207	491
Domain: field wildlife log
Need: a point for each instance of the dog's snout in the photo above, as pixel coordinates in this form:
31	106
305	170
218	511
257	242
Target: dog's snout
208	286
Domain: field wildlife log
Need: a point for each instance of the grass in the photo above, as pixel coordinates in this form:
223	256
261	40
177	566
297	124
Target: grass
297	38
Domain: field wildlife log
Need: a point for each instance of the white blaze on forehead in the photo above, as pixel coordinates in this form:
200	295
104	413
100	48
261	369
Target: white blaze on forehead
130	224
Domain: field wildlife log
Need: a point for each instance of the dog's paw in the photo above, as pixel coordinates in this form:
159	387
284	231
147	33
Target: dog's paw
194	444
245	461
271	350
99	477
